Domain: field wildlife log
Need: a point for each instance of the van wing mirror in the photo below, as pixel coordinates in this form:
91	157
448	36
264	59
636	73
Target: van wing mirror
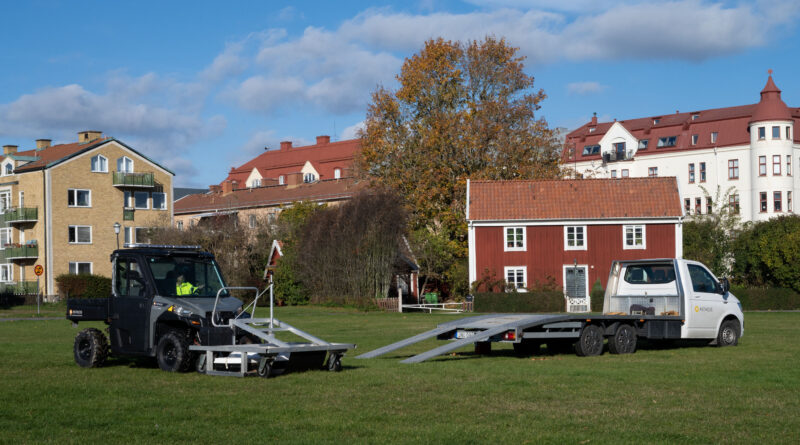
725	286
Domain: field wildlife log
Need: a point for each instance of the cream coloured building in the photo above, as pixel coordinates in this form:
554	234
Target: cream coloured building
59	205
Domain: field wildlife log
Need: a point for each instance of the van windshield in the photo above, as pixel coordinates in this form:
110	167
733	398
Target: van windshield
650	274
186	276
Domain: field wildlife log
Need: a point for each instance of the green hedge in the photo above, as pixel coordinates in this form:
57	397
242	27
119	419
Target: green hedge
541	301
767	298
83	286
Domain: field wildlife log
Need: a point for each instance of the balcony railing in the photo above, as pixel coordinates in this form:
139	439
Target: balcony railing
20	288
21	215
614	156
127	214
20	252
123	179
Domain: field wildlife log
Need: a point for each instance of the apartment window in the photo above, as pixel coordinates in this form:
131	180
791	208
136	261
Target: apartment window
22	198
776	165
702	172
776	132
179	225
625	173
709	206
687	205
619	149
574	237
643	144
80	234
5	237
763	201
591	150
255	183
788	133
668	141
694	138
79	198
80	268
788	165
6	273
159	201
251	221
516	277
691	173
5	201
99	164
633	236
762	133
788	201
762	166
714	135
9	169
777	201
125	164
281	179
652	171
309	177
613	173
733	202
140	200
337	173
733	169
698	205
129	235
142	235
515	238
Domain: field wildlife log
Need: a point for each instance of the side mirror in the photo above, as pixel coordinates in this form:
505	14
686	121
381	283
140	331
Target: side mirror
725	286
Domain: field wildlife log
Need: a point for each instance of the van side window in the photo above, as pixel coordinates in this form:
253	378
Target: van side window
129	279
702	281
650	274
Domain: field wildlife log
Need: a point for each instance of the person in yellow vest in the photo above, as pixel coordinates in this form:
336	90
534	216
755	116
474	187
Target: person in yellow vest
183	287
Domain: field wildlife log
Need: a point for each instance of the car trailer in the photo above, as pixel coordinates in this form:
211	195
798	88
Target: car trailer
259	350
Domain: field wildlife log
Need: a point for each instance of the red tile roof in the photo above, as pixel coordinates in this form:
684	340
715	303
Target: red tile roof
268	196
54	153
574	199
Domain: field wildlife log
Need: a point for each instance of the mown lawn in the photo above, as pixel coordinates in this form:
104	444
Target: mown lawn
745	394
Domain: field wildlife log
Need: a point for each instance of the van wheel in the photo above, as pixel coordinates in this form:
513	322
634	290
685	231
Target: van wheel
590	342
172	352
728	333
91	348
623	341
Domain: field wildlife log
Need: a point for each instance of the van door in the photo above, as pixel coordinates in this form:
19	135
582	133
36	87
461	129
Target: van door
705	302
130	307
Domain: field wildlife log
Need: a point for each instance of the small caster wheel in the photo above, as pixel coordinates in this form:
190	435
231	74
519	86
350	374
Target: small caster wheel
200	363
265	368
335	363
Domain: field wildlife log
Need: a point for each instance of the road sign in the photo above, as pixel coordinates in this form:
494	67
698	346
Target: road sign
38	270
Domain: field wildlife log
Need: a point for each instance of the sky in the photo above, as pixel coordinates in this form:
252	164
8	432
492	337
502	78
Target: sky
202	86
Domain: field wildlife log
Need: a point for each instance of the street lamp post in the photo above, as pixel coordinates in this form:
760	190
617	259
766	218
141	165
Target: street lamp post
117	226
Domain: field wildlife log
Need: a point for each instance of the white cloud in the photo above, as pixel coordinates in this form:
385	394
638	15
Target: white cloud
351	132
582	88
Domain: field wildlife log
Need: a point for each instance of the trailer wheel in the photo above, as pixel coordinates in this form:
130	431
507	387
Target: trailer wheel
623	341
172	352
590	342
265	367
728	333
335	362
91	348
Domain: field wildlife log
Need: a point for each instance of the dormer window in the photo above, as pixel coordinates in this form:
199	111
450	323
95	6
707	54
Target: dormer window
309	177
656	121
255	183
281	179
592	129
668	141
337	173
125	165
694	139
8	169
591	150
695	116
99	164
714	137
643	144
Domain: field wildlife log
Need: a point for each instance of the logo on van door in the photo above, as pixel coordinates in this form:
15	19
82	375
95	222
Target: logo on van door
703	309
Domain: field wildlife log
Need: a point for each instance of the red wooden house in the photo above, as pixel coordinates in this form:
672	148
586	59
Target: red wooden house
569	231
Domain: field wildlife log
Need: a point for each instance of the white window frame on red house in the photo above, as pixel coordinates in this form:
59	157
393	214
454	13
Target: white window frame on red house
516	231
583	244
634	246
516	269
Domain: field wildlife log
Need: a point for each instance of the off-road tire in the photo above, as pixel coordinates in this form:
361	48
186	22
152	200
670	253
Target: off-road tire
590	342
729	333
172	352
623	341
91	348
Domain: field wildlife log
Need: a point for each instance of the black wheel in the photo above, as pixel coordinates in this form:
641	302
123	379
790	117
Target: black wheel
265	367
623	341
172	352
728	333
91	348
590	342
200	363
526	348
334	362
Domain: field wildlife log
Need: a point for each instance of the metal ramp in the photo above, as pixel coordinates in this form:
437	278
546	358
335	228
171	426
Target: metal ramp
475	329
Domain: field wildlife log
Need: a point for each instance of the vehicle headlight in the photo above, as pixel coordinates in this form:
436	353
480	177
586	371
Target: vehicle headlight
180	311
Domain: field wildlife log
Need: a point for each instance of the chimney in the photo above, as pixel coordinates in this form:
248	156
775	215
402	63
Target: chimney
9	149
227	187
285	145
293	180
216	188
89	135
41	144
322	140
594	119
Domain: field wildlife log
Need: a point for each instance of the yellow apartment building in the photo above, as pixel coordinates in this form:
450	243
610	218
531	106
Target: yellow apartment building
60	203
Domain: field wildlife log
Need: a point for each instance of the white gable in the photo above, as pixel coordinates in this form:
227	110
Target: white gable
616	134
254	176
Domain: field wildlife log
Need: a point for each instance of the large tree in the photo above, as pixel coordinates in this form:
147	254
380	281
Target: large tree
463	110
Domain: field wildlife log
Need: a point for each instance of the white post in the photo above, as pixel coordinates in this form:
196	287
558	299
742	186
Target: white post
271	286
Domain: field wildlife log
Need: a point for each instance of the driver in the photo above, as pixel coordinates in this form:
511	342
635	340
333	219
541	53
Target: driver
183	287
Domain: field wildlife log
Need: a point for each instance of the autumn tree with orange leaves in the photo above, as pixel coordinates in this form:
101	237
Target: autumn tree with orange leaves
463	110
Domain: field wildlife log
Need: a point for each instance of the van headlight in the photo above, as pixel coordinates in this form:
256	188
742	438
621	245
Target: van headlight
180	311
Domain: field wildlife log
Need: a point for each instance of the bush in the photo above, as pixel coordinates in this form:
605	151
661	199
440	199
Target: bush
767	298
767	254
83	286
539	301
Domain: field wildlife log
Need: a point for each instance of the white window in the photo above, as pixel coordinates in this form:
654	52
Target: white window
80	268
337	173
281	179
80	234
5	237
516	277
625	173
159	201
252	221
140	200
515	239
574	237
129	235
99	164
714	135
22	196
5	201
79	198
179	225
695	137
255	183
125	164
142	235
6	273
633	237
309	177
613	173
9	169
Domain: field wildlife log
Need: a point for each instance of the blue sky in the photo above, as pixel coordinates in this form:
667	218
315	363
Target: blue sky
205	85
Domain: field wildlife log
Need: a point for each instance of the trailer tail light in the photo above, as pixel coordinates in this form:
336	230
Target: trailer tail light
510	335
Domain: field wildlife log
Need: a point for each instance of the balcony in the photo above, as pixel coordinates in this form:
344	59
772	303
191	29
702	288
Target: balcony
127	214
138	180
21	215
20	252
616	156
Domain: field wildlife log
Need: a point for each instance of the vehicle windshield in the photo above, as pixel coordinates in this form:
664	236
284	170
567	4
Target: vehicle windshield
186	276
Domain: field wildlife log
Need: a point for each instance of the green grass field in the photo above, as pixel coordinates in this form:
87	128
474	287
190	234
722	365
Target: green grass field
744	394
